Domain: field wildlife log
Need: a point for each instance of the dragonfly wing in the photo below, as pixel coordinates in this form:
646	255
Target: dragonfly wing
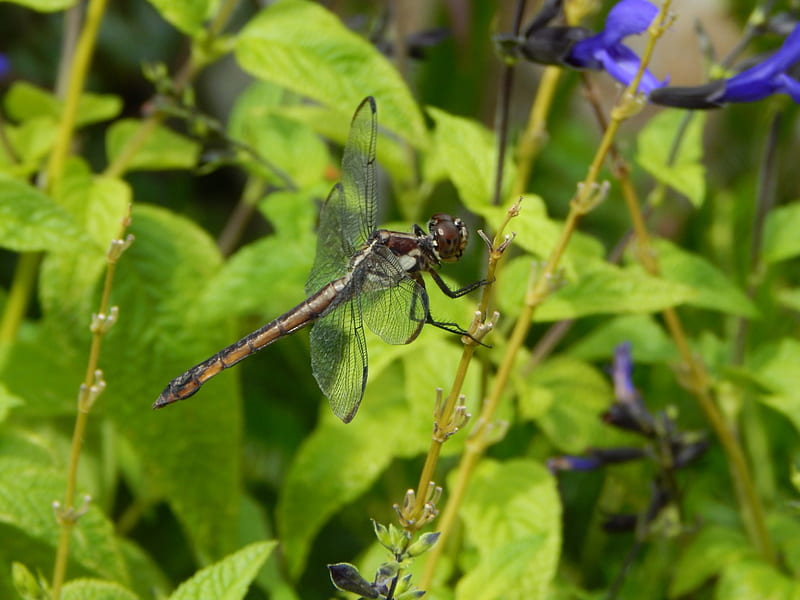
347	218
358	174
339	358
394	305
333	249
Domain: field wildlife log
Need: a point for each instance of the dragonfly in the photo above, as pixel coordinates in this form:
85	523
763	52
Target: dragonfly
361	275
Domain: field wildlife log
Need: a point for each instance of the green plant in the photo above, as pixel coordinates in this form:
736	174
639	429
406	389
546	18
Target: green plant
252	486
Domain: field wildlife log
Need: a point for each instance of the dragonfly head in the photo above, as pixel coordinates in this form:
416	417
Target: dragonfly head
449	236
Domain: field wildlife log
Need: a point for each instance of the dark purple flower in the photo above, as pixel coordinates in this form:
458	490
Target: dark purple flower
606	50
573	463
770	76
576	47
5	66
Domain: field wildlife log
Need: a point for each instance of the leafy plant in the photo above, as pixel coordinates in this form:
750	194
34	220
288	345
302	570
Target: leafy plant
145	229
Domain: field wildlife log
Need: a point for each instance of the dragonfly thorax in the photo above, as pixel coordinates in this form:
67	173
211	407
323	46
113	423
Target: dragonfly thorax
449	235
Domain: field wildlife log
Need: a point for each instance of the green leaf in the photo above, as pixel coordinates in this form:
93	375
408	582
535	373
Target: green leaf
711	550
228	579
32	221
334	466
25	101
27	492
288	145
514	516
303	47
775	368
468	154
252	281
69	278
8	401
93	589
192	449
45	5
163	149
790	298
713	290
650	342
31	141
781	241
604	289
189	16
338	462
566	397
686	174
756	579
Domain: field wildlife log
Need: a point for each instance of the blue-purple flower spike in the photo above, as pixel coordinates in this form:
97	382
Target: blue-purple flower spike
606	50
5	66
768	77
622	373
772	75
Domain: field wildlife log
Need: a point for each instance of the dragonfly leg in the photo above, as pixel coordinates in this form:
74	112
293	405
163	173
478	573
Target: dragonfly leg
453	328
459	292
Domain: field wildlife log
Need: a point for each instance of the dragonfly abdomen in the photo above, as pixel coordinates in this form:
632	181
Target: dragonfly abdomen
308	311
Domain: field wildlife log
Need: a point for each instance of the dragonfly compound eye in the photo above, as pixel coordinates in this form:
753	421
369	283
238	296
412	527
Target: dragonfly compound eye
449	236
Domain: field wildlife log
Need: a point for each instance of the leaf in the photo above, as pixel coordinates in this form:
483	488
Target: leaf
650	342
27	492
566	398
338	462
163	149
7	401
69	277
93	589
253	281
32	141
32	221
781	241
711	550
229	578
192	449
467	151
189	16
712	289
304	48
514	517
775	368
605	289
286	145
686	173
750	579
25	101
46	5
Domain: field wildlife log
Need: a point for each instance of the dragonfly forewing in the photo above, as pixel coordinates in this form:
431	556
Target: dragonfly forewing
333	253
358	175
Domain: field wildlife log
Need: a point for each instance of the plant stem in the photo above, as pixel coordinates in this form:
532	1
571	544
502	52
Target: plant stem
584	201
91	387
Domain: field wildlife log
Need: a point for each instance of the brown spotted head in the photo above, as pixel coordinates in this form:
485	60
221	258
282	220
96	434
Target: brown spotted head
449	236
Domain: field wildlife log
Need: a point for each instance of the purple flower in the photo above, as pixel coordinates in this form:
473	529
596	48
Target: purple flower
5	66
770	76
576	47
606	50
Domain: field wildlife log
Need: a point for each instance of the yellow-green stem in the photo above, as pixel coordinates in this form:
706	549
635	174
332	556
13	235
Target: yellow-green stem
18	296
67	517
582	203
748	499
75	84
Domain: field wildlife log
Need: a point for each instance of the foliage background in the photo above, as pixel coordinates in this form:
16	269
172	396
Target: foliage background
257	455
